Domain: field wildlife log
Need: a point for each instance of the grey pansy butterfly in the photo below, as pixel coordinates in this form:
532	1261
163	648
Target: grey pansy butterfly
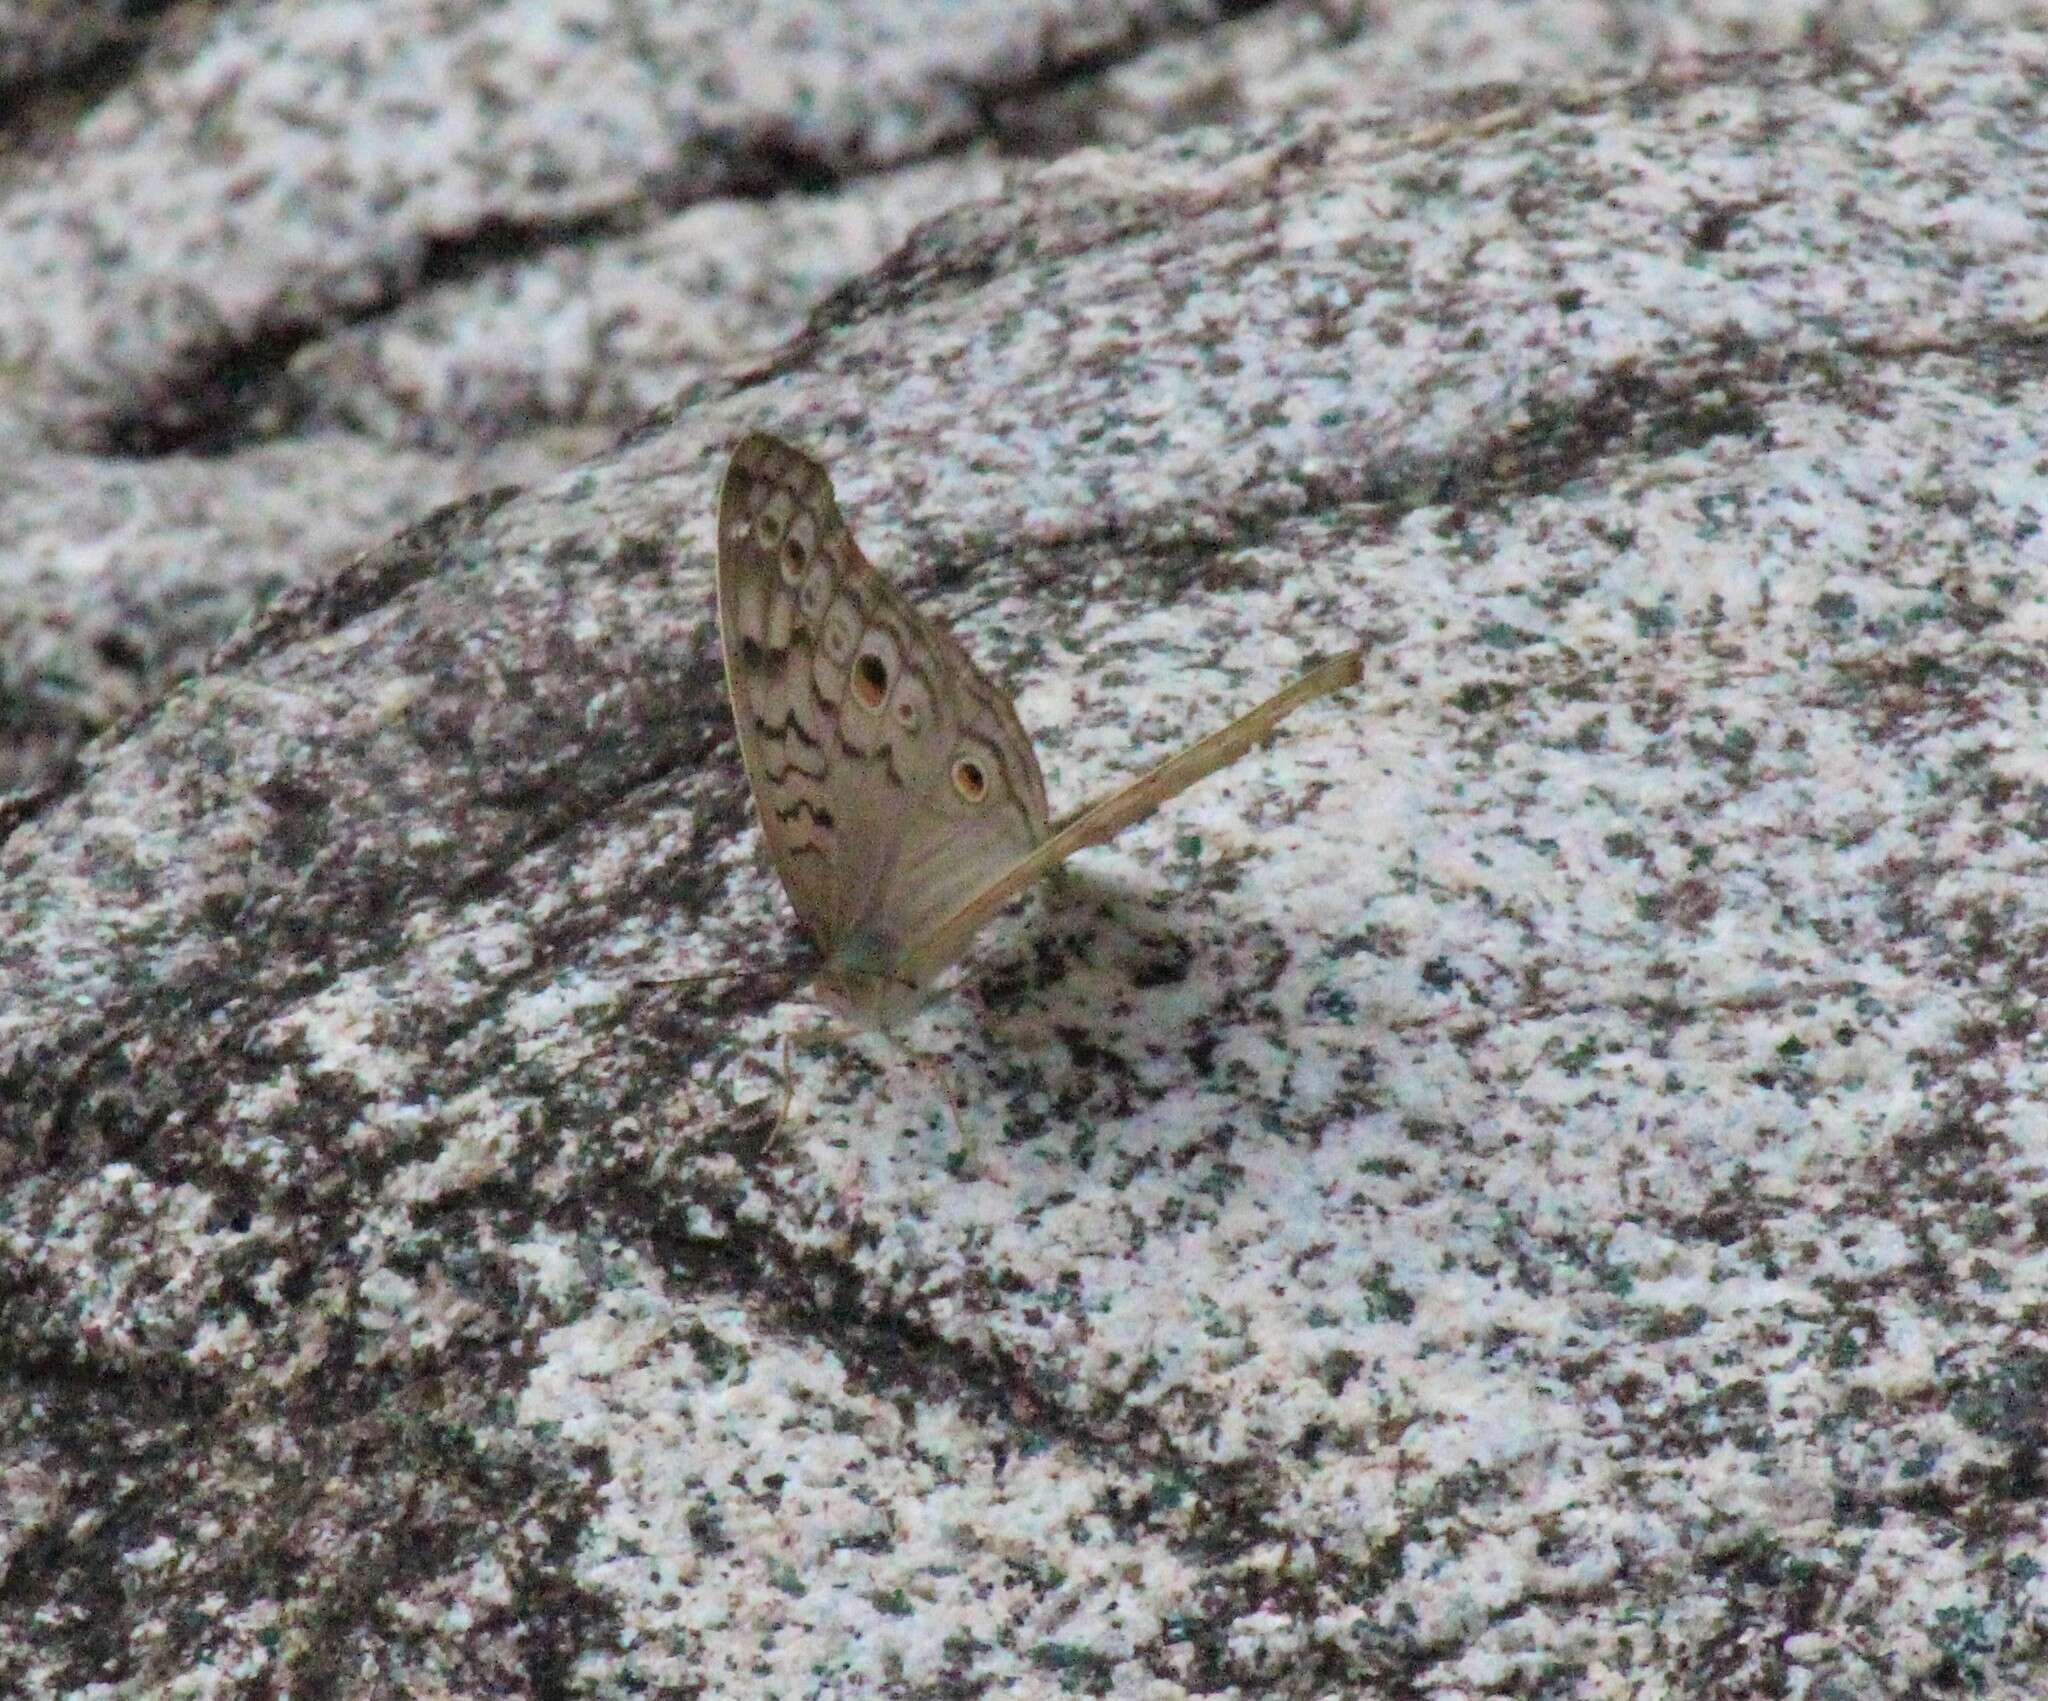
898	794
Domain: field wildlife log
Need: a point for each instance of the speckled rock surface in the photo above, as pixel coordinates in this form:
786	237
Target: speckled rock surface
479	237
124	575
1533	1185
305	162
600	338
492	230
39	38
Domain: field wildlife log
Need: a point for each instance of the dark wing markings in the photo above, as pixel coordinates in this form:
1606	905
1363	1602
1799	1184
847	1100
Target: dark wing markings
790	724
823	817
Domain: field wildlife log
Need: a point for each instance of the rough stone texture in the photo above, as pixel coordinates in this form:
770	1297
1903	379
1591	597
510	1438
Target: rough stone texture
307	160
125	575
600	338
40	38
485	235
1534	1185
192	266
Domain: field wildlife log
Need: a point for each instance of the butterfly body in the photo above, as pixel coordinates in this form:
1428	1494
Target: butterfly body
899	796
860	983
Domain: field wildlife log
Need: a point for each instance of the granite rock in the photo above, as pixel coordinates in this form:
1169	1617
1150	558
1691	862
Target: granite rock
41	39
1532	1184
480	236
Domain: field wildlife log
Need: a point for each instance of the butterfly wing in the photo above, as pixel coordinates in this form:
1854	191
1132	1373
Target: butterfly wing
892	779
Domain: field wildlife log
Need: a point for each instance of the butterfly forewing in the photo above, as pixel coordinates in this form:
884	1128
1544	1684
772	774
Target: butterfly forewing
892	779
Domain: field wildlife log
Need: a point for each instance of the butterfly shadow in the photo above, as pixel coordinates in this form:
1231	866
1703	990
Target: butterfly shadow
1071	1023
1099	1001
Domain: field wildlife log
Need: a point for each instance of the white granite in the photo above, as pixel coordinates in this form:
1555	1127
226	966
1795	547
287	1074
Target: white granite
1531	1185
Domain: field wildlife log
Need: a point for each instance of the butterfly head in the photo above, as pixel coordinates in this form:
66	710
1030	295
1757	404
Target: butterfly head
864	984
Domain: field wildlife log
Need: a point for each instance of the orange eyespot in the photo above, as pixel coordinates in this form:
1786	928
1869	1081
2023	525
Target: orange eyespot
870	681
969	780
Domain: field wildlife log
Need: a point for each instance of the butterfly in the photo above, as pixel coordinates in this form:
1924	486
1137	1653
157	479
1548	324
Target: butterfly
899	796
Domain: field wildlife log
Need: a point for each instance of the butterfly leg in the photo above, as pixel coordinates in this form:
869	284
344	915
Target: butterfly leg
937	1077
788	1098
934	1075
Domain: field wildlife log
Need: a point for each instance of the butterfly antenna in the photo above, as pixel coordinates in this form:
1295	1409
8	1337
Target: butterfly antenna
1098	823
1198	761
